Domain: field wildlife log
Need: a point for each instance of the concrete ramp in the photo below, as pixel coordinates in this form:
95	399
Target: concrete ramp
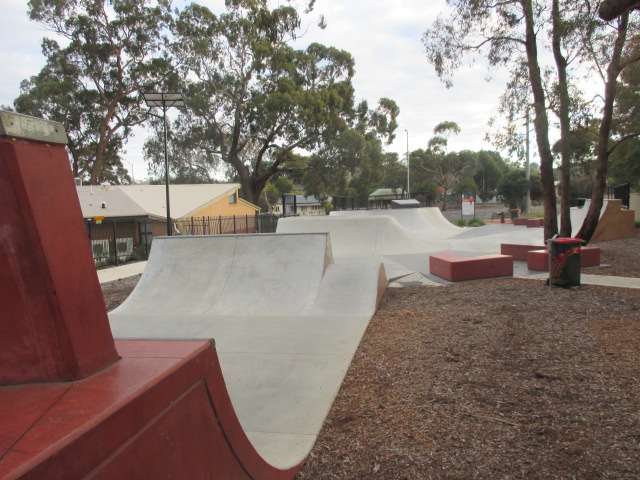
415	220
285	317
230	274
358	235
403	240
614	223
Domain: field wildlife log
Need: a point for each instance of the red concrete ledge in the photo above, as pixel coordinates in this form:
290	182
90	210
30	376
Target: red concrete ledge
539	259
163	411
534	222
518	250
529	222
455	269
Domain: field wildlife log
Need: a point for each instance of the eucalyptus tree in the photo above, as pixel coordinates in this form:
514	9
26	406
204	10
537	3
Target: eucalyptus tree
102	54
613	48
507	33
256	104
446	167
514	34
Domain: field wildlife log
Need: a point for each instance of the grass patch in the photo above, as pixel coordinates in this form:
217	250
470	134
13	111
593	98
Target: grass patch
474	222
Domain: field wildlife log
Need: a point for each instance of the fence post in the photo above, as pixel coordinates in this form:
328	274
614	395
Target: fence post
234	225
115	243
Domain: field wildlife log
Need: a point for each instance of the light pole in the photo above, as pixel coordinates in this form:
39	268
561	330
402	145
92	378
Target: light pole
133	178
408	167
165	101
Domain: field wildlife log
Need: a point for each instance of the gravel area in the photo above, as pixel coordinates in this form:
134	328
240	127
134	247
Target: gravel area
492	379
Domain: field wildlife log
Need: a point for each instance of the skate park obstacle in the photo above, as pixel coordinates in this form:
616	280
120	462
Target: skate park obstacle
453	268
518	250
75	404
538	260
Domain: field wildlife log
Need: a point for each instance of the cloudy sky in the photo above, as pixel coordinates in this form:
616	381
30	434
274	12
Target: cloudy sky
385	40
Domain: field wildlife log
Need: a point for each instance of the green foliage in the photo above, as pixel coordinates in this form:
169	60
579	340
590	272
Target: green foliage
625	164
476	222
254	101
445	168
513	188
489	170
91	85
472	222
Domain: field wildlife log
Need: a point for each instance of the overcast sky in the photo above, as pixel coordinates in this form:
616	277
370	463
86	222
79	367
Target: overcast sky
385	40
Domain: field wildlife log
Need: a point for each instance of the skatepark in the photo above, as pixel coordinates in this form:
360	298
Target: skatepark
227	356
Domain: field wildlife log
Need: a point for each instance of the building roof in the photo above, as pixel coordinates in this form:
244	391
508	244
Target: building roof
184	199
150	200
307	200
387	192
116	202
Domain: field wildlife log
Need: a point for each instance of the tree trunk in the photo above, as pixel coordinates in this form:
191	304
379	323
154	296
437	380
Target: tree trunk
610	9
602	157
565	128
541	125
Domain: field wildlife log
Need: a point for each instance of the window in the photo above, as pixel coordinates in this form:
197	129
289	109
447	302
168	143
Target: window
232	199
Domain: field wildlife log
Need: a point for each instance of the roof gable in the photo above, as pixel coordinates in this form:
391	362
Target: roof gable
184	199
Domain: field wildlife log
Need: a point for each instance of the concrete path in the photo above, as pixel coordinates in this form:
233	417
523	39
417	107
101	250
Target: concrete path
123	271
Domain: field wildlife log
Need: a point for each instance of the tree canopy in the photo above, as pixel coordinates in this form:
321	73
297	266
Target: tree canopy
90	83
511	34
263	108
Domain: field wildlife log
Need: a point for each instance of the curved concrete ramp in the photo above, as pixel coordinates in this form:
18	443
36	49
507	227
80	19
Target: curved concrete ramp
286	320
358	235
423	220
405	252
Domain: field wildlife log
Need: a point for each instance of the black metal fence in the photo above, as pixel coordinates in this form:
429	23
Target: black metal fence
619	192
384	201
116	241
289	205
261	223
344	203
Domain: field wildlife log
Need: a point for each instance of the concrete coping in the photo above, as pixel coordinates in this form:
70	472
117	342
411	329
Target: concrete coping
31	128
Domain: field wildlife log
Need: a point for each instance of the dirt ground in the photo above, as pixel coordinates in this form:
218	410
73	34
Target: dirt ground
492	379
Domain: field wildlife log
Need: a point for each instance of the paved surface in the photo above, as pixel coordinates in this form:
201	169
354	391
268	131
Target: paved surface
285	317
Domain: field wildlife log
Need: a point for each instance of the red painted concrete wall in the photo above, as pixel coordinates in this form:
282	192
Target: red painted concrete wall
54	323
163	411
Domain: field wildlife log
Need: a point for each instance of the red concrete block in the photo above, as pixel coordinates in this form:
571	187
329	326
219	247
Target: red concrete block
455	269
589	256
535	222
518	250
539	259
519	221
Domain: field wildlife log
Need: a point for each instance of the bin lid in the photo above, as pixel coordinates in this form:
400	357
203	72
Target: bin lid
567	240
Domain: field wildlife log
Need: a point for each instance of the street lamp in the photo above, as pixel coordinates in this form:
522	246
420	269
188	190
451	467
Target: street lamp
165	101
133	178
408	168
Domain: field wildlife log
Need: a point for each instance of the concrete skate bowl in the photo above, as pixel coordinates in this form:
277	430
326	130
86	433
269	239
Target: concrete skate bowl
286	320
415	220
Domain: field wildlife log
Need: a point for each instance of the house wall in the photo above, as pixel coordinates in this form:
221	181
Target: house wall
223	208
